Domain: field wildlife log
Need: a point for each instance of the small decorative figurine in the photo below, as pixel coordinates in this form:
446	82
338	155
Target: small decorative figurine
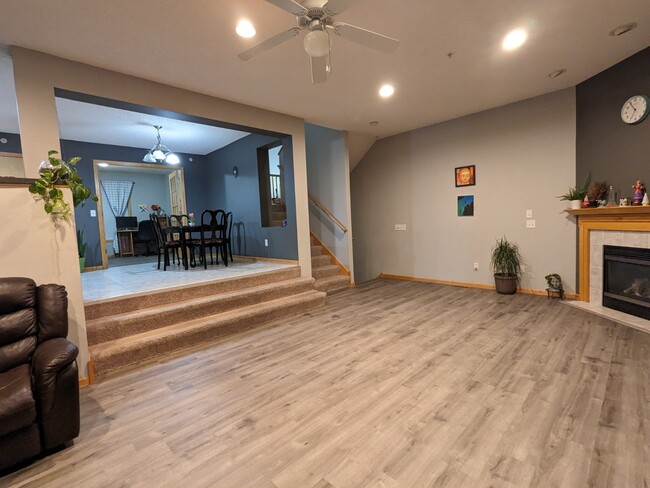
639	191
555	288
585	202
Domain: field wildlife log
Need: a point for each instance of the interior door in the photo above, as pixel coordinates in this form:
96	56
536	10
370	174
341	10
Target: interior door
176	193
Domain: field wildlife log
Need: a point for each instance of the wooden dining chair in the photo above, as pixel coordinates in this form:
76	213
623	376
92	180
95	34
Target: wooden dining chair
213	235
163	244
191	244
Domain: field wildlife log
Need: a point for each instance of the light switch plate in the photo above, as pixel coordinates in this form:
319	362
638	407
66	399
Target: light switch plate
529	214
530	224
400	226
93	213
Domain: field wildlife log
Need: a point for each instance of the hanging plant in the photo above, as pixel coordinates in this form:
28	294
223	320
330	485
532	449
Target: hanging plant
55	172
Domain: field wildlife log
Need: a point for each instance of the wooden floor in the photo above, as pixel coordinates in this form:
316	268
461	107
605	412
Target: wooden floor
391	384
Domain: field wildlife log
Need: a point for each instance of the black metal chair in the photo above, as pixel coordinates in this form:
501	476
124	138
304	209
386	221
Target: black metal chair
213	235
183	220
164	245
229	233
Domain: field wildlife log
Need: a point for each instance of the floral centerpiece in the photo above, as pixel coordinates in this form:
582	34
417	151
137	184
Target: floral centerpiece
192	218
156	208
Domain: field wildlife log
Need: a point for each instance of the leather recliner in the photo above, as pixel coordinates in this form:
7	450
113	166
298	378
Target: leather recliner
39	384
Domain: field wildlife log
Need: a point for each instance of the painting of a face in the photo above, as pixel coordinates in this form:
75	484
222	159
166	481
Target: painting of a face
465	176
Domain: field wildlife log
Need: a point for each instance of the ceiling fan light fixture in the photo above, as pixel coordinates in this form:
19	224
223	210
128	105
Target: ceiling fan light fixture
245	29
317	43
171	158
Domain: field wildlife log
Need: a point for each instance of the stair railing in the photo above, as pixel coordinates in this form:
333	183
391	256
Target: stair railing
329	214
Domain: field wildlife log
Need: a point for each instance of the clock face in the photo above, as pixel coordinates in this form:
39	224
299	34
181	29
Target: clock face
635	109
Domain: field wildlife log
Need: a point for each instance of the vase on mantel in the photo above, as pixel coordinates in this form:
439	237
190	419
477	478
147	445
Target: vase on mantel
575	204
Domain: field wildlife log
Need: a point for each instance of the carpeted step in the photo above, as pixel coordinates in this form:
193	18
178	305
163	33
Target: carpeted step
120	353
322	260
117	326
325	271
316	250
333	283
103	308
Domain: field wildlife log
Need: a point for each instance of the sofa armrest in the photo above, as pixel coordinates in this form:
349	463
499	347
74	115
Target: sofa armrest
56	385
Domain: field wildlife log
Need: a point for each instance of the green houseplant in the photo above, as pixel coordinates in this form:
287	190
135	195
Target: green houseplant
81	248
506	265
576	194
58	172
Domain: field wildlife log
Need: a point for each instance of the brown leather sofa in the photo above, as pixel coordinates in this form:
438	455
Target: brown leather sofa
39	385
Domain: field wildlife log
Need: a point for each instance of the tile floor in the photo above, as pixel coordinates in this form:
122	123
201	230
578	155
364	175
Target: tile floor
139	278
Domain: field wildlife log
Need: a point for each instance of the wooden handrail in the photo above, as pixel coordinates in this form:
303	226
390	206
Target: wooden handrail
327	212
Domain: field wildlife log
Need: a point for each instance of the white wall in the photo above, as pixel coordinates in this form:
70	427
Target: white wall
34	247
328	178
524	155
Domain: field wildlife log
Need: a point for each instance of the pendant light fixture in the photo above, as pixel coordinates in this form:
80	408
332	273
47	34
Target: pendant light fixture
160	153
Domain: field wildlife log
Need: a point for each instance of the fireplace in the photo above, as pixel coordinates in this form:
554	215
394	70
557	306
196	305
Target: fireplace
626	280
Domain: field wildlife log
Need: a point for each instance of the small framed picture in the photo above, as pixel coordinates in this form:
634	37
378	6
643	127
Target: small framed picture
466	206
465	175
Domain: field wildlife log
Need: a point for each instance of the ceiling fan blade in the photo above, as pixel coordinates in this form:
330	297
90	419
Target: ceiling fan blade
366	38
318	69
334	7
268	44
294	8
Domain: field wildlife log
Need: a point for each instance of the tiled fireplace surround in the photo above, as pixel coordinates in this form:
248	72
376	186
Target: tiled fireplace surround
597	227
600	238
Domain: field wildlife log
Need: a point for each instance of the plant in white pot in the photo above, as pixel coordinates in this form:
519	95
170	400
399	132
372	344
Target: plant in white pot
576	194
506	264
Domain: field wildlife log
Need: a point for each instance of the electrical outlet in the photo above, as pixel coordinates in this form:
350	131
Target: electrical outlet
400	226
266	243
529	214
530	224
93	213
475	266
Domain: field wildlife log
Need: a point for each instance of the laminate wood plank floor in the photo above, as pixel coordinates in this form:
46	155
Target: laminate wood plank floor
393	384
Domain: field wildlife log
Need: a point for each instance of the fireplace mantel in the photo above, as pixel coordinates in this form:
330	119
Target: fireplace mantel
630	219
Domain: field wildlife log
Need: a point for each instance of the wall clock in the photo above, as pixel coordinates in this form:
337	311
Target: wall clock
635	109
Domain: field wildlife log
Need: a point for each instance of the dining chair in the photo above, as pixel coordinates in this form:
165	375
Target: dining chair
164	245
229	233
183	220
213	235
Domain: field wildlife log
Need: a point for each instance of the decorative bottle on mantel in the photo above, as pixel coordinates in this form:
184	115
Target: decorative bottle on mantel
611	197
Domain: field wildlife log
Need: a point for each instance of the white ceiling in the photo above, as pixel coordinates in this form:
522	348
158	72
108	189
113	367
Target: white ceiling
192	44
80	121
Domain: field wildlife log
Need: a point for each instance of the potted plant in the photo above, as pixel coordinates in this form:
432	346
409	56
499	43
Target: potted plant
506	265
81	248
576	194
597	193
55	172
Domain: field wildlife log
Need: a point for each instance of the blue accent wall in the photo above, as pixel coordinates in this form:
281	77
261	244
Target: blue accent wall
241	196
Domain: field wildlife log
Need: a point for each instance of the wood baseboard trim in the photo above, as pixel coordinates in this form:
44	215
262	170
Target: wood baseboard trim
464	284
83	382
91	372
270	260
344	270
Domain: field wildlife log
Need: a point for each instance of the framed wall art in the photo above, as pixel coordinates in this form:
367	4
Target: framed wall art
466	206
465	175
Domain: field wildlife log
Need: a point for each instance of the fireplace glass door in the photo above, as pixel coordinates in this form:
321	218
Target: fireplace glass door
626	280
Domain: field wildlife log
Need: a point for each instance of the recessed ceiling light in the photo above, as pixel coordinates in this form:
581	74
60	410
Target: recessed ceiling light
374	122
622	29
514	39
245	29
103	165
386	91
556	73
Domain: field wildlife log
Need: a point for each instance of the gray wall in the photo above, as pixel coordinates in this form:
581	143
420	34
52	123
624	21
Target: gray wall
524	155
327	174
194	184
242	197
608	148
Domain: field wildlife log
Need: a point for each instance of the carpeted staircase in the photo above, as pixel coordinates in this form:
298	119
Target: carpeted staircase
131	330
328	275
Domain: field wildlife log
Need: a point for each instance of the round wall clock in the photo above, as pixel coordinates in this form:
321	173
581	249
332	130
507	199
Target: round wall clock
635	109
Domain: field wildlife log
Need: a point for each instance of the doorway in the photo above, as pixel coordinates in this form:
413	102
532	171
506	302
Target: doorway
144	186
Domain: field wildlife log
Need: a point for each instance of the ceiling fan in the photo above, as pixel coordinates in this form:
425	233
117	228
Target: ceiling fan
317	18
